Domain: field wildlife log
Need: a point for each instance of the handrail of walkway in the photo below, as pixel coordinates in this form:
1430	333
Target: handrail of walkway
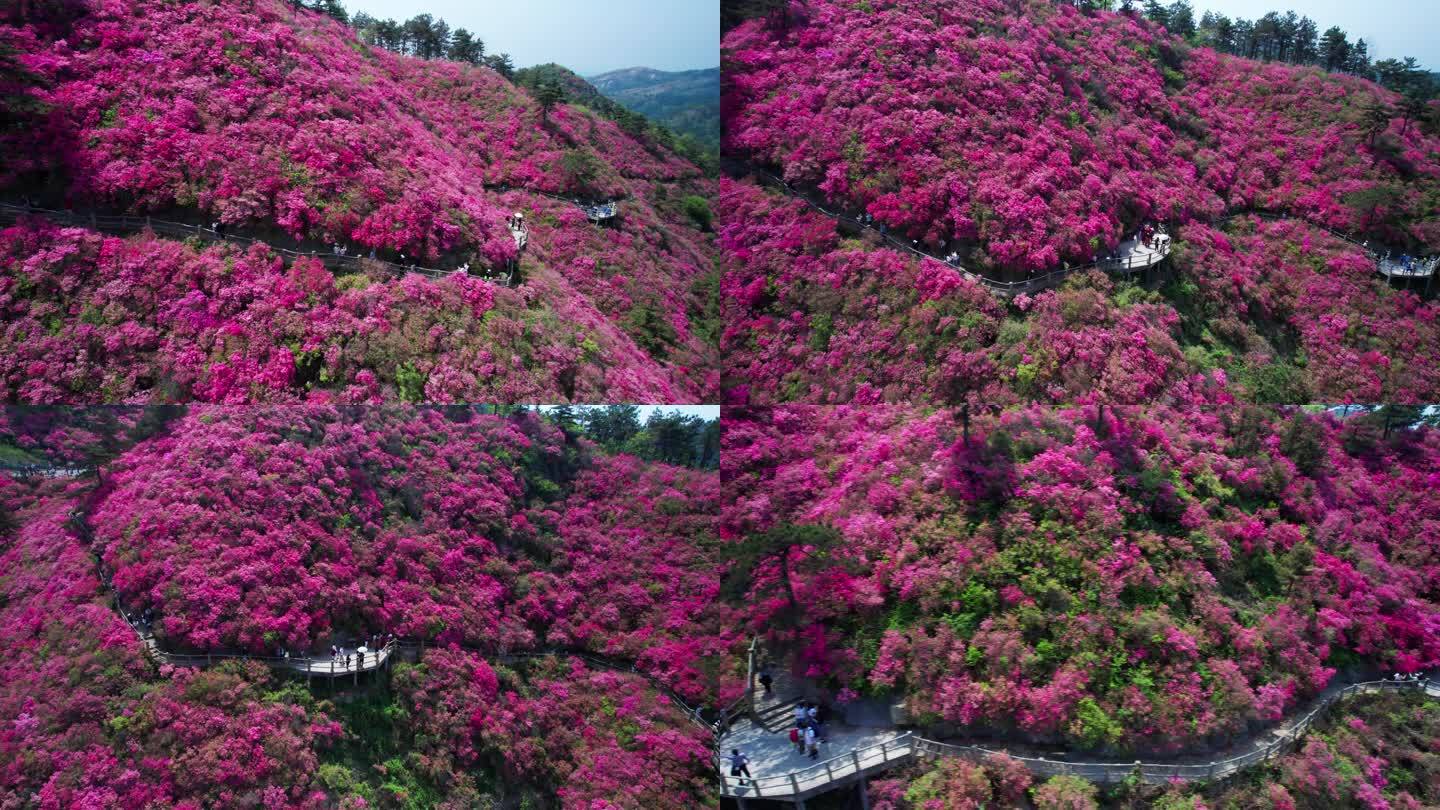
45	470
328	666
806	781
818	777
744	704
1117	771
11	212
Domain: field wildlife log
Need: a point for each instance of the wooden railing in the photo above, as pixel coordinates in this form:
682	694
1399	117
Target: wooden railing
45	471
122	224
595	210
823	775
842	769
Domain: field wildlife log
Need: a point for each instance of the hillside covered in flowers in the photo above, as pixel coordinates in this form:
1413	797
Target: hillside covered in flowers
1024	137
1374	752
255	530
1158	579
279	124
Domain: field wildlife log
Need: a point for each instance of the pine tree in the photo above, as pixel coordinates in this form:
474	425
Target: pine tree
1181	19
548	93
464	47
1157	13
500	63
1335	48
790	546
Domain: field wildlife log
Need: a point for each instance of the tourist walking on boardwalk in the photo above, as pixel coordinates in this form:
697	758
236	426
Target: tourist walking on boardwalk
766	680
801	715
795	739
812	742
739	765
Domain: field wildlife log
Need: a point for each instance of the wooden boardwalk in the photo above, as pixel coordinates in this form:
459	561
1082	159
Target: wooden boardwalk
782	774
1130	257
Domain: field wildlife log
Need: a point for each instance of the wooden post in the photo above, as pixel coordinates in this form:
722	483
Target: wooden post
794	786
864	793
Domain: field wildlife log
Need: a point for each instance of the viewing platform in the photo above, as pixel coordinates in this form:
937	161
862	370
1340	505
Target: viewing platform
854	753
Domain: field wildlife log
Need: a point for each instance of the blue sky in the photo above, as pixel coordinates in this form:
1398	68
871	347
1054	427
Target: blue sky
587	36
1391	28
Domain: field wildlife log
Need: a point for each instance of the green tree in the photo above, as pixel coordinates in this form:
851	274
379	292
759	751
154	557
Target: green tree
612	426
793	547
548	93
581	170
565	418
1181	17
1375	120
500	63
1157	13
1359	62
465	47
1412	108
698	209
1334	48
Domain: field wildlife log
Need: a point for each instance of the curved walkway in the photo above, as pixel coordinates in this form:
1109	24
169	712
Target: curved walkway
120	224
595	210
45	471
329	667
1128	258
780	773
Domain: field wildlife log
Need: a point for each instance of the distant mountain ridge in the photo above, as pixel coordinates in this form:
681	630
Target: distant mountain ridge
686	101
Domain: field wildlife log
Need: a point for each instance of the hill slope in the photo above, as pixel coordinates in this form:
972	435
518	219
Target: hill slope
1037	133
687	101
1026	138
479	534
282	125
1149	578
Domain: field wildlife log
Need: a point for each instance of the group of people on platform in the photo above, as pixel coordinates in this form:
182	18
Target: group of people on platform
145	620
1413	265
1154	237
372	646
810	729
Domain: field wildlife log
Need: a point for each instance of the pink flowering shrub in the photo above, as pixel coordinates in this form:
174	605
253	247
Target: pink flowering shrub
555	732
91	318
1361	341
281	124
1273	311
1037	134
1164	577
814	317
450	527
86	724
